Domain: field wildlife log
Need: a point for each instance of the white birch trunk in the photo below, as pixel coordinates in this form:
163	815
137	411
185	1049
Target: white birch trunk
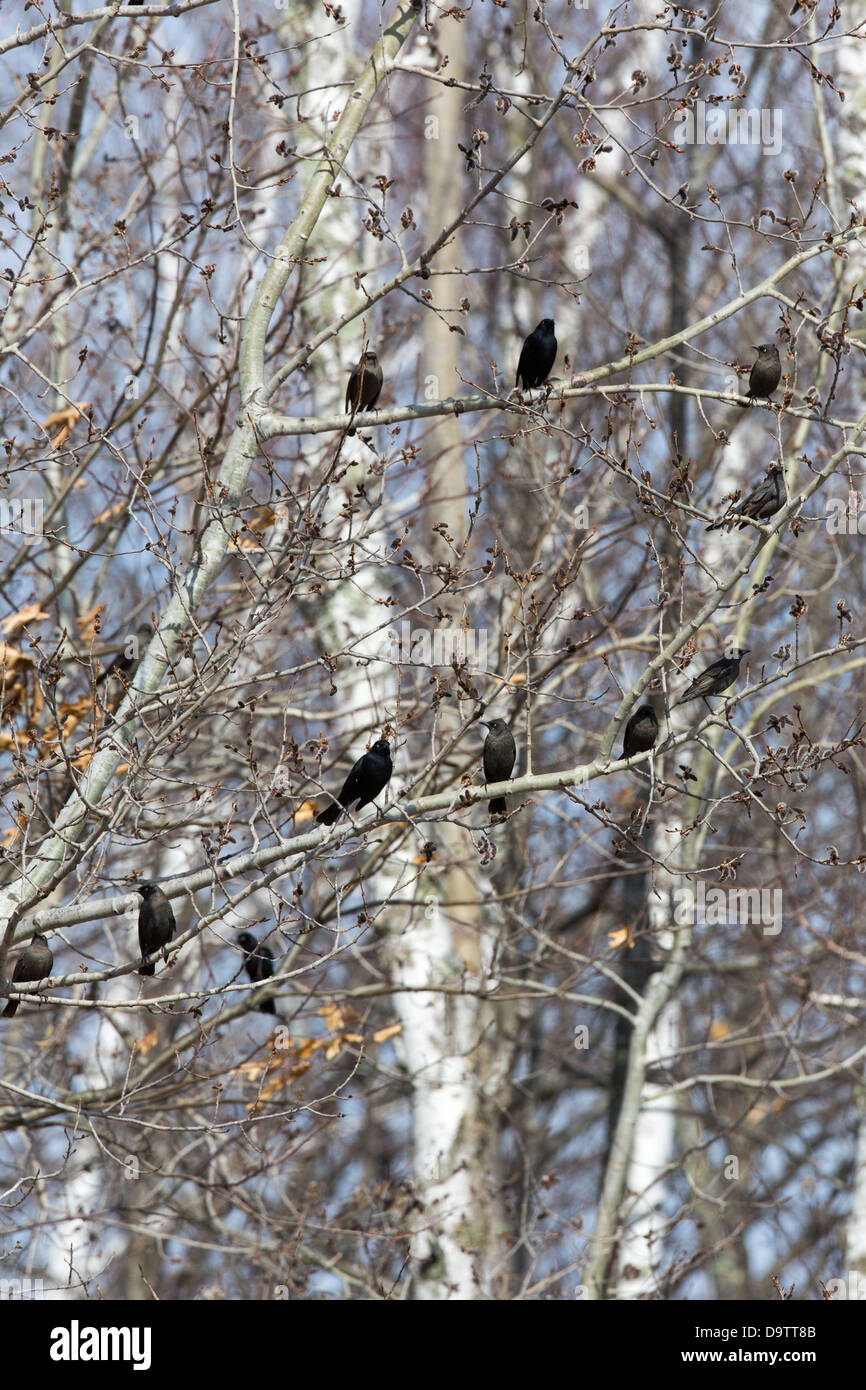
641	1246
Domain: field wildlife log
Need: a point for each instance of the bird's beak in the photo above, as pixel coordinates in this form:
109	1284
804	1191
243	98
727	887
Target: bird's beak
755	347
484	722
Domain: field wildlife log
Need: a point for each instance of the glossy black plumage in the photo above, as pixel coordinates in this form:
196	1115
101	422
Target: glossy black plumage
370	774
34	963
715	678
537	356
766	372
156	923
641	731
365	385
259	965
499	754
762	502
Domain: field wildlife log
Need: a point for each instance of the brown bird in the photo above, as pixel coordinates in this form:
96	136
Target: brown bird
34	963
365	385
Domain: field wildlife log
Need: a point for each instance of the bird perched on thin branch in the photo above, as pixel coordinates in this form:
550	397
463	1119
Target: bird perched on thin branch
34	963
156	923
715	678
641	731
126	660
370	774
763	501
259	965
537	356
499	754
766	373
365	385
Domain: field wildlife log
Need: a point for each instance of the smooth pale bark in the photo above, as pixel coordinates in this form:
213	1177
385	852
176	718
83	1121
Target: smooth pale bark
652	1140
450	1042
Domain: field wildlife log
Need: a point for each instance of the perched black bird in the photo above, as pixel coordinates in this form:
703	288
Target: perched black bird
126	660
499	755
641	731
537	356
365	384
766	372
259	965
370	774
34	963
716	678
768	497
155	922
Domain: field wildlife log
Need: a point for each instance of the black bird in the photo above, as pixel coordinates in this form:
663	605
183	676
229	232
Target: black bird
34	963
499	755
370	774
715	678
259	965
537	356
763	501
641	731
126	660
766	372
155	922
365	384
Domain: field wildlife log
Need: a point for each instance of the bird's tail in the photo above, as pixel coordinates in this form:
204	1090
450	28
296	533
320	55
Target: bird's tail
11	1008
147	970
330	814
497	806
267	1006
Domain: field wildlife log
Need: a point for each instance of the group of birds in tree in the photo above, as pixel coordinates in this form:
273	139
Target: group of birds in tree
367	778
156	927
372	772
534	366
642	729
